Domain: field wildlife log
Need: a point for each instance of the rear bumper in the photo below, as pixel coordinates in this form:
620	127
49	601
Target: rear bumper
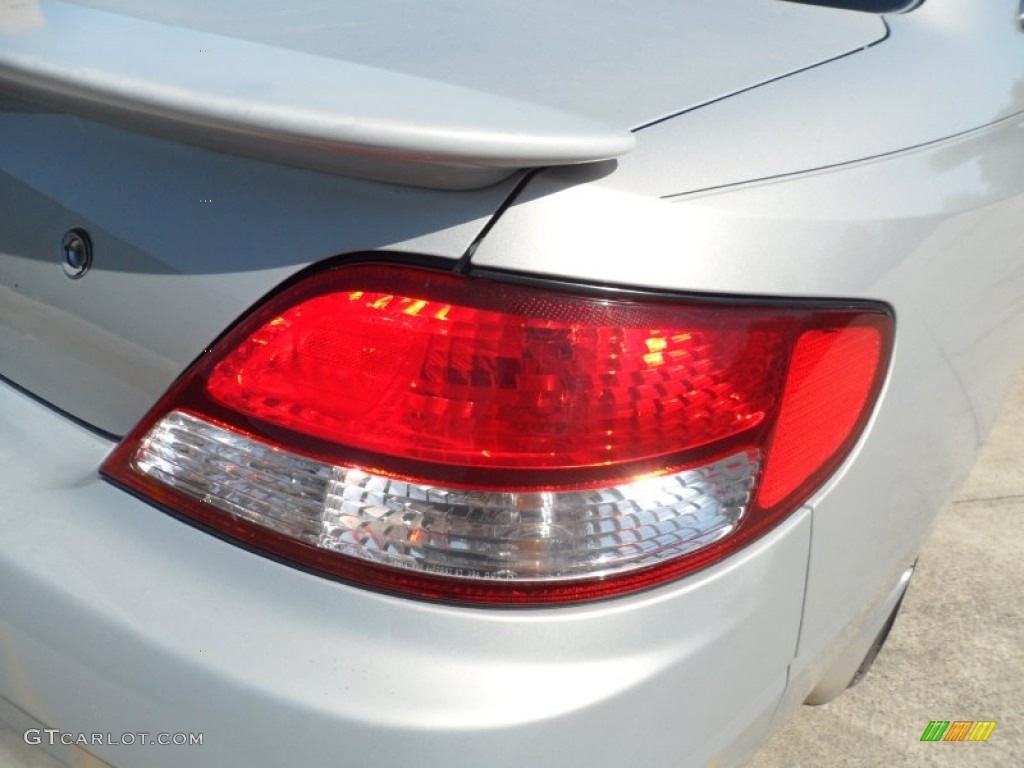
117	618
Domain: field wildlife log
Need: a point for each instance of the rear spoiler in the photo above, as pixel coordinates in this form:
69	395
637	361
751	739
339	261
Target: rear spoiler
280	105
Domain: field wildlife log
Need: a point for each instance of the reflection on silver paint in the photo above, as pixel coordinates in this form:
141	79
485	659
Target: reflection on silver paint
290	107
900	229
934	230
18	17
170	273
70	361
944	70
615	62
311	666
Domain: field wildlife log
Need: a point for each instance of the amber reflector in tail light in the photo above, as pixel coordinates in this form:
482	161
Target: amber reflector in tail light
476	440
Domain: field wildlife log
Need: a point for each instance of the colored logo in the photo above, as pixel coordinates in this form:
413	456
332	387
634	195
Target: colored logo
958	730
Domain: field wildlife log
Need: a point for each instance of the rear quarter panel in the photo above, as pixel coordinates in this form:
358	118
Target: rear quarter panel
934	231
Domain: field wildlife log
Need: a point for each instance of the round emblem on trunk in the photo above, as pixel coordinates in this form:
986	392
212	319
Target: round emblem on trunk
77	249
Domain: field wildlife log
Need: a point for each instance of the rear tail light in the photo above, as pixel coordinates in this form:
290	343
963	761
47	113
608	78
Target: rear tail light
466	439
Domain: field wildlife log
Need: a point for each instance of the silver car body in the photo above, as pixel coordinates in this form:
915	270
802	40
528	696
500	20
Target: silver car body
738	147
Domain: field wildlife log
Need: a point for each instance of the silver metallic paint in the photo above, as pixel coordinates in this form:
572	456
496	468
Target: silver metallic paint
622	64
890	183
947	68
170	273
305	671
933	230
288	106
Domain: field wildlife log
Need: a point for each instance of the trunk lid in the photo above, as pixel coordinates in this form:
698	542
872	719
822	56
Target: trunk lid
626	64
185	238
184	241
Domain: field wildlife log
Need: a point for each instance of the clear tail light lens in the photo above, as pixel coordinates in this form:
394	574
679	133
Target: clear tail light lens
473	440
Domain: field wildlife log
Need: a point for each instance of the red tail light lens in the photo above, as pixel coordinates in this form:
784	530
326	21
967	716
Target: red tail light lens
830	379
469	439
